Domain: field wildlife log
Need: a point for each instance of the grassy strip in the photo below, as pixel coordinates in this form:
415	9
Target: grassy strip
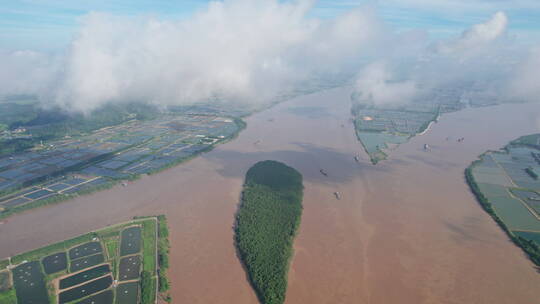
267	221
8	296
54	248
163	258
148	288
4	264
531	248
112	249
149	246
51	292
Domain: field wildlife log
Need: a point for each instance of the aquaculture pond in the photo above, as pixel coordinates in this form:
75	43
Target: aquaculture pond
501	177
80	270
127	293
105	297
89	261
85	250
54	262
30	284
534	236
506	183
129	268
84	276
85	290
131	241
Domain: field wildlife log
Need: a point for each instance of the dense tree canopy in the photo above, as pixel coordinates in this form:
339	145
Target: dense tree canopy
267	221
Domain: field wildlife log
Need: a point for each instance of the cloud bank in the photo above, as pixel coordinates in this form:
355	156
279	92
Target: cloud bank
251	51
238	50
377	86
484	62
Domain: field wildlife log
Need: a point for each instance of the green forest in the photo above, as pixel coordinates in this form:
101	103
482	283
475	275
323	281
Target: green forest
50	124
267	221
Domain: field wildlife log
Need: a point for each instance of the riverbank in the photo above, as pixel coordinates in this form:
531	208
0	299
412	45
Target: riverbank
405	231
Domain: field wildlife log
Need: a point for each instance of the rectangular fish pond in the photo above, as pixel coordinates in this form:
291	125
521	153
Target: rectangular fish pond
84	269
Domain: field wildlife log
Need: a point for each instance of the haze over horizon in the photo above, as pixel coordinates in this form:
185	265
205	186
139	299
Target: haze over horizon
250	51
270	151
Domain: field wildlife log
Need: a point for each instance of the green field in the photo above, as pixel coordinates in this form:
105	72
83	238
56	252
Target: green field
112	248
377	144
94	257
508	193
8	297
514	214
267	221
533	236
4	264
163	258
378	127
5	281
149	245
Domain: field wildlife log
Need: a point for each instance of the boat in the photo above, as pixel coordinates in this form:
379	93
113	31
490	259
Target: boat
356	158
323	172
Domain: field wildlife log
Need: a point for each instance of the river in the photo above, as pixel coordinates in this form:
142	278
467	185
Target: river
407	230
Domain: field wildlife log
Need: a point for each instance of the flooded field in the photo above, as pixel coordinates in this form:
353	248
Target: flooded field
407	230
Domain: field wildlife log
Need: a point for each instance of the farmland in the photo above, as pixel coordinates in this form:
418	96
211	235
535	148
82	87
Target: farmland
84	270
267	221
58	169
509	193
381	127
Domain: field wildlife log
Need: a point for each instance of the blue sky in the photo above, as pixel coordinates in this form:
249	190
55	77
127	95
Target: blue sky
50	24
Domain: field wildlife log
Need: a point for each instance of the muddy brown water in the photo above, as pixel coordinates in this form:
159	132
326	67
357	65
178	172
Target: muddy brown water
405	231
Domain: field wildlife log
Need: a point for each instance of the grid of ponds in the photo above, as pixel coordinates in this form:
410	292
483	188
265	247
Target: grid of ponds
71	166
503	179
81	271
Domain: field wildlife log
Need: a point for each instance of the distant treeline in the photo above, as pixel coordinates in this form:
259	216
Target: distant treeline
267	221
50	124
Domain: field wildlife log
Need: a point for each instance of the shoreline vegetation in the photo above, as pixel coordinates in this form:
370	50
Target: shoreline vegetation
530	247
266	224
163	259
113	182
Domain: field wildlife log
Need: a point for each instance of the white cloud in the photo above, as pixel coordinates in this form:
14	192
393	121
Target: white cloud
27	72
377	85
238	50
481	58
479	35
251	50
524	84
